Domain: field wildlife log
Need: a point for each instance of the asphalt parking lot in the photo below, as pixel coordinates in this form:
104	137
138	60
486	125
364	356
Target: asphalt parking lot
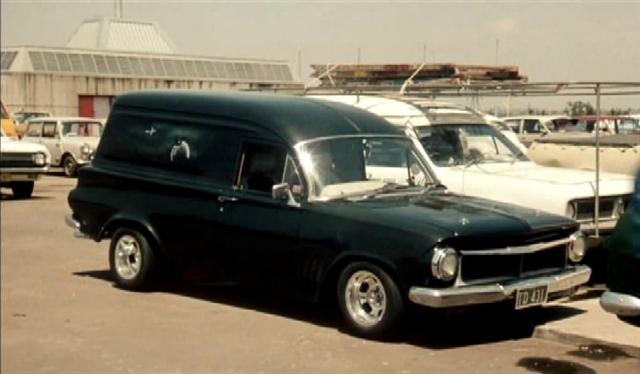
61	313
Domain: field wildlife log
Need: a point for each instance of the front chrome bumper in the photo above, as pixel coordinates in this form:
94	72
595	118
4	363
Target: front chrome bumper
25	170
75	225
491	293
620	304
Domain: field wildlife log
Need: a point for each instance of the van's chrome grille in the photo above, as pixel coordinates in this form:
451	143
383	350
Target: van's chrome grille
475	267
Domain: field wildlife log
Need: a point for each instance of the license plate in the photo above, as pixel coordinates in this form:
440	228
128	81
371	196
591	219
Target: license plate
526	297
5	177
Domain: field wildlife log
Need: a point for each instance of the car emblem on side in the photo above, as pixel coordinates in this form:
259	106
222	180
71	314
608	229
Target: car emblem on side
150	131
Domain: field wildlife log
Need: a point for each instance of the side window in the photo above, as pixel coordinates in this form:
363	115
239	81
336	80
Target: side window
49	130
514	124
261	166
532	126
34	129
204	150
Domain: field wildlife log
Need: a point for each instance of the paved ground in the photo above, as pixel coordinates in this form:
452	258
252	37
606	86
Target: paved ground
61	313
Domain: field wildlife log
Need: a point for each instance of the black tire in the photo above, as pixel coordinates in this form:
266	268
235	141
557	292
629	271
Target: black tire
385	324
22	190
69	166
123	270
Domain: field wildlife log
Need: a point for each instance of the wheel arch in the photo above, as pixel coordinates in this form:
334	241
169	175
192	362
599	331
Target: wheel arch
64	155
137	224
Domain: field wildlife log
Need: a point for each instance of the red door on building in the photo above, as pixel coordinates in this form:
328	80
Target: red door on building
86	106
95	106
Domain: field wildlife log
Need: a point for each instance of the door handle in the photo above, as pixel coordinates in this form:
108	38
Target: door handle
226	199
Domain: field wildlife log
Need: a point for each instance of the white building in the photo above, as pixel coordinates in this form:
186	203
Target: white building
108	57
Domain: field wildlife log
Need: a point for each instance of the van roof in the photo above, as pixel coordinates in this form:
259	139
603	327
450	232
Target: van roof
292	118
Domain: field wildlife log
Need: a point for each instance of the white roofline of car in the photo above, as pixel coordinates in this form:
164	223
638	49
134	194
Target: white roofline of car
64	119
532	116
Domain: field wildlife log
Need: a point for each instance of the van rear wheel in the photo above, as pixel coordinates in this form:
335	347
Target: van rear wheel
132	260
369	300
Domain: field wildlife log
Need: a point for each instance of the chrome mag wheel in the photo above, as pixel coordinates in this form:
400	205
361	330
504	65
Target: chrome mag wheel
128	257
365	298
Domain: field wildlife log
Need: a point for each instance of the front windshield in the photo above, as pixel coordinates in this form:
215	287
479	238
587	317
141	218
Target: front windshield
76	128
450	145
357	166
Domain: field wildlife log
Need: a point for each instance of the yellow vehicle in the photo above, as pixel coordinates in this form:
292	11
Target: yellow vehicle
8	125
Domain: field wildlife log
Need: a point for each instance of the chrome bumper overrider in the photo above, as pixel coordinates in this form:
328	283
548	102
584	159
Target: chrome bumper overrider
589	228
620	304
490	293
75	225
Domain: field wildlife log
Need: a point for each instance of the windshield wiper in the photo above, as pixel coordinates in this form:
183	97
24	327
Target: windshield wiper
434	186
388	187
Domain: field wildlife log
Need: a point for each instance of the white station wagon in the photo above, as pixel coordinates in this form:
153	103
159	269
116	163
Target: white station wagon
473	158
21	164
71	141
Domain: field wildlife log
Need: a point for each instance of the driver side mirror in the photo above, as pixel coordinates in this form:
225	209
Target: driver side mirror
282	192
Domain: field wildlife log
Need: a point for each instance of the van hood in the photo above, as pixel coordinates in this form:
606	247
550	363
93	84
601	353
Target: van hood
448	215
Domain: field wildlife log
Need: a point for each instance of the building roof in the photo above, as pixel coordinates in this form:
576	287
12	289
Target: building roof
91	62
120	35
291	118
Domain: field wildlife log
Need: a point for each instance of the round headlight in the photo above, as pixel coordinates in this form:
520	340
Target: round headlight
577	247
39	159
571	211
444	263
85	149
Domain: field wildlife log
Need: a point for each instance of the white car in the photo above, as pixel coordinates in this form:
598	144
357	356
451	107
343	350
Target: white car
71	141
504	129
474	158
532	127
21	164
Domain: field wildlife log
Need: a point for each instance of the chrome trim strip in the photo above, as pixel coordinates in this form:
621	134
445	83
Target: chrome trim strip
490	293
519	249
363	135
620	304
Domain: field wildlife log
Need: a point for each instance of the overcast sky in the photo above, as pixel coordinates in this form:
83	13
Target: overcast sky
549	41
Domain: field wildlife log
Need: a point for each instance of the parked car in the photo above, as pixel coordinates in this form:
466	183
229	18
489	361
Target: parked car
21	164
308	198
618	153
623	277
505	129
475	159
531	127
21	117
71	141
8	124
608	124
